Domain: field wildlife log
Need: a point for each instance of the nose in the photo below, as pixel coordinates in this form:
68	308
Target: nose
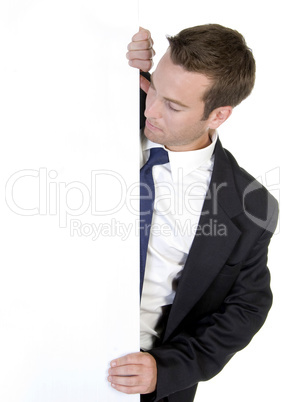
153	109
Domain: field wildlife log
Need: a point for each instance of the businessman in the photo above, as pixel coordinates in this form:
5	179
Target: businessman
205	285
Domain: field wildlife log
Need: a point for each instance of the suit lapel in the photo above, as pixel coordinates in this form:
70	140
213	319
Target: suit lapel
215	238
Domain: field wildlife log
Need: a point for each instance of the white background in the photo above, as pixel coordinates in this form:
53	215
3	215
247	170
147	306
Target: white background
69	304
58	115
255	136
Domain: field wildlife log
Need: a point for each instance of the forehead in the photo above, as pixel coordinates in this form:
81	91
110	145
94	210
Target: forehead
173	81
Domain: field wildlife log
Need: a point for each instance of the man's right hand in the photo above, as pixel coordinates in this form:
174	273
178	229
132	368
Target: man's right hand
140	54
140	50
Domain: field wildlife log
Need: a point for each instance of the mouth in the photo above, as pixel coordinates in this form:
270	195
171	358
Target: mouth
151	127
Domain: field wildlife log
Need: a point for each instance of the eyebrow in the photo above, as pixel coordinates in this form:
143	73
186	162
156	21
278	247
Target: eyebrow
177	102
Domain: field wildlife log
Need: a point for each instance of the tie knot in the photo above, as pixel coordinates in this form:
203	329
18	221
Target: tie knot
158	156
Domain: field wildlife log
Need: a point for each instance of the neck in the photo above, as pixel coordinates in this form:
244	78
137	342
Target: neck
200	143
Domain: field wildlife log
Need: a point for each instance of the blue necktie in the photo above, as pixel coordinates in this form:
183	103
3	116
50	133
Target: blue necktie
158	156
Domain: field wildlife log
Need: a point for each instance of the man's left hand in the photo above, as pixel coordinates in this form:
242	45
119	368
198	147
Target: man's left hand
135	373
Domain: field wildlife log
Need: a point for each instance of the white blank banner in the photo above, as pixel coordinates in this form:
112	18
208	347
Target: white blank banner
69	282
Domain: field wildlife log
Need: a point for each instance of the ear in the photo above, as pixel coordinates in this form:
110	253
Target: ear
219	116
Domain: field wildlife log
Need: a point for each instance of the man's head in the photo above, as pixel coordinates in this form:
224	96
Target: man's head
205	72
222	55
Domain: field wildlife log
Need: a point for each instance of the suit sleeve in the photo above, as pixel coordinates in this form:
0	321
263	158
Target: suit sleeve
142	101
201	349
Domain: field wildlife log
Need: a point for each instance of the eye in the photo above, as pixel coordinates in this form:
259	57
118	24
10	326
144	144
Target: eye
169	105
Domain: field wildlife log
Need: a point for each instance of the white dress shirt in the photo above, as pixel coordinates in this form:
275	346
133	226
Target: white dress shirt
180	189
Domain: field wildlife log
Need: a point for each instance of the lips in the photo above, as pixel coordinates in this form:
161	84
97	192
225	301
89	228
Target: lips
150	126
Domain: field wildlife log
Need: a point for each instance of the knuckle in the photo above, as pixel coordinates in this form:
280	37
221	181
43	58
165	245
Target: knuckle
128	359
135	36
147	54
130	46
128	370
131	381
144	359
148	43
144	390
143	45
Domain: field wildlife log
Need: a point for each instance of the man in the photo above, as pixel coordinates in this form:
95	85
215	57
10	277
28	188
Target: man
206	291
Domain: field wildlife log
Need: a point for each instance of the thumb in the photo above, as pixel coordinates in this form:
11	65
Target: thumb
144	84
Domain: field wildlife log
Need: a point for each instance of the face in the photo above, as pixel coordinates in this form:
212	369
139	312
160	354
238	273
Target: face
174	108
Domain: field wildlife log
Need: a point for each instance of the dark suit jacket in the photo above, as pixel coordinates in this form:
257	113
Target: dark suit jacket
223	295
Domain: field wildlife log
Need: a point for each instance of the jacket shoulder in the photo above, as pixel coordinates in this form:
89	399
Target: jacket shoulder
257	202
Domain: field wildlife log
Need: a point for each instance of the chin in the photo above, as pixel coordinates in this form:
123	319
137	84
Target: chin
152	137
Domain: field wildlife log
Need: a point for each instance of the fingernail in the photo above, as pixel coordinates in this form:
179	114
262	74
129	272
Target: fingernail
113	364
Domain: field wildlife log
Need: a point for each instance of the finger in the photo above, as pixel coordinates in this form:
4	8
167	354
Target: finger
129	369
129	385
127	381
140	45
128	390
139	58
144	83
149	38
141	65
131	358
140	54
142	34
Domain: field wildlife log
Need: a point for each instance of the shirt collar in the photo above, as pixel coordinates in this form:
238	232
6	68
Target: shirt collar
186	161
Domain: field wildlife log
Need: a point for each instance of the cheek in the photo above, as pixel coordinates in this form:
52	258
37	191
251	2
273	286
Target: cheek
193	121
150	98
177	122
147	102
